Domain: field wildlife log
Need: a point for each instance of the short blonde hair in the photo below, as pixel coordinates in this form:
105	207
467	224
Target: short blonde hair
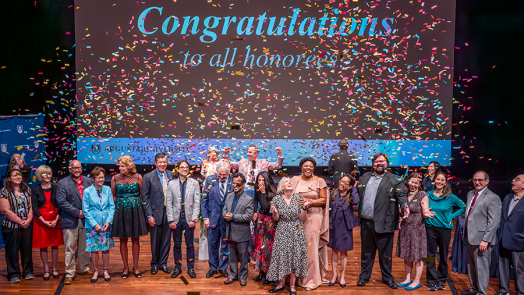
41	170
128	161
280	190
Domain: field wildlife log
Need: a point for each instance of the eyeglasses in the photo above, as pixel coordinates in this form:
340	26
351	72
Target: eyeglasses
183	167
478	180
75	168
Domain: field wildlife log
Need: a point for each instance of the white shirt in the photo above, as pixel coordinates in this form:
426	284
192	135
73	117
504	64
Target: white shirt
469	205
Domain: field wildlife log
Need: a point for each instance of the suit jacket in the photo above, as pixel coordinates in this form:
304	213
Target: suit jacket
211	202
390	194
511	230
340	164
69	201
484	217
240	228
98	211
153	195
351	219
38	199
191	200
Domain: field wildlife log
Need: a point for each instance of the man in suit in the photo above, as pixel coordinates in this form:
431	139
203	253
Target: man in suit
342	163
216	189
482	219
381	192
69	198
154	194
238	212
183	208
511	238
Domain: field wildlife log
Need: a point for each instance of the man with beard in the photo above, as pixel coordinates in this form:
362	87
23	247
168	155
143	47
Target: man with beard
381	192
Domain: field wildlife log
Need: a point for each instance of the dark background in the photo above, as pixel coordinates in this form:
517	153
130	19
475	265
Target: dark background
492	30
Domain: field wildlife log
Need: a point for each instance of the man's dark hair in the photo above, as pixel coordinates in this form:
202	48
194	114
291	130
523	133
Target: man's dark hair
242	177
160	156
377	155
176	174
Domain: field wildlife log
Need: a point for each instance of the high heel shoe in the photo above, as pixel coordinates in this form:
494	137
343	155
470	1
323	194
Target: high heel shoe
94	280
342	285
46	278
55	276
333	283
106	279
274	290
125	275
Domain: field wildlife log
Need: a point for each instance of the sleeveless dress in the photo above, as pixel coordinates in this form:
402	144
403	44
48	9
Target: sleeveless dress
44	236
129	220
412	242
289	248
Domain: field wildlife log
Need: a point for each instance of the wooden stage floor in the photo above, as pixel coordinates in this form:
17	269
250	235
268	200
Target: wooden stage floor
164	284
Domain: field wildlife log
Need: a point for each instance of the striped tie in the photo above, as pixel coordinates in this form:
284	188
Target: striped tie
222	190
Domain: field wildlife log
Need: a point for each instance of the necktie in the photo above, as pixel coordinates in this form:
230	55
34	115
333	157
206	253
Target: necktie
164	188
471	206
222	190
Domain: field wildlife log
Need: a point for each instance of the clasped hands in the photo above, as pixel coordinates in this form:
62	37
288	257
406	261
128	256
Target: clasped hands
99	228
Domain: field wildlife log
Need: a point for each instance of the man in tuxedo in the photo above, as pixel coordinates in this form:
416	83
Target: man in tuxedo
69	195
381	192
238	212
511	238
342	163
154	193
216	189
482	220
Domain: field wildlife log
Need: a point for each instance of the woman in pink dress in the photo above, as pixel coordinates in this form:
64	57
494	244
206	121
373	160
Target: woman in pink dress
316	226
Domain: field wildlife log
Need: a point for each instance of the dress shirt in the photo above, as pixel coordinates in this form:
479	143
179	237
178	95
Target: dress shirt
368	207
513	203
469	205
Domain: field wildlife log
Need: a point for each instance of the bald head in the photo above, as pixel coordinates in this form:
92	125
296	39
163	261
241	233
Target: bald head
75	169
517	185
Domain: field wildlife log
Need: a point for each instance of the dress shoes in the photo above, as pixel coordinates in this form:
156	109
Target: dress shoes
176	273
391	284
243	283
165	269
224	273
154	270
260	277
68	281
342	285
210	273
229	281
88	273
191	273
413	288
267	282
274	290
469	292
502	293
362	282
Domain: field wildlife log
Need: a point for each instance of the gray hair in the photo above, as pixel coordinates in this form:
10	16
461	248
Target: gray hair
486	176
280	190
223	164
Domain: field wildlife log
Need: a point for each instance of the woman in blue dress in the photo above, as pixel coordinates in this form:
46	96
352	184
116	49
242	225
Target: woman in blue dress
99	209
130	220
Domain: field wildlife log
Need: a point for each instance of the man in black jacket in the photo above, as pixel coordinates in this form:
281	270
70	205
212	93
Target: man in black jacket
342	163
381	192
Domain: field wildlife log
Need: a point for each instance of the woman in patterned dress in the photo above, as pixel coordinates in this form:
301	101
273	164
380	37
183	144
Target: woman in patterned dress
289	255
412	242
129	221
99	210
264	232
316	226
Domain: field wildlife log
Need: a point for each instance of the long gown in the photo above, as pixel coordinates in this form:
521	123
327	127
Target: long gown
316	227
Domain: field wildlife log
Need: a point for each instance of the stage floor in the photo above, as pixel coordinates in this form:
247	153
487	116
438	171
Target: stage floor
163	284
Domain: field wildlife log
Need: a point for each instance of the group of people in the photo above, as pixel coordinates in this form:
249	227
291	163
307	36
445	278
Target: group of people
284	230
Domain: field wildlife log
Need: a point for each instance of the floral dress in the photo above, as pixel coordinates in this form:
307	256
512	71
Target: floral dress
99	240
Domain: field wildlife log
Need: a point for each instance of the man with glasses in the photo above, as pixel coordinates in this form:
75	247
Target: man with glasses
154	196
511	238
216	188
183	208
69	195
482	219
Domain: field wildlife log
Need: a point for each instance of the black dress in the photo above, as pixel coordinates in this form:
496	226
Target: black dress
129	220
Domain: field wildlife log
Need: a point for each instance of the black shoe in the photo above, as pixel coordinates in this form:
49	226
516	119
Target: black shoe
191	273
46	278
267	282
274	290
502	293
391	284
361	282
154	270
432	287
210	273
261	276
442	286
342	285
469	292
176	273
165	269
94	280
292	292
107	279
57	275
224	273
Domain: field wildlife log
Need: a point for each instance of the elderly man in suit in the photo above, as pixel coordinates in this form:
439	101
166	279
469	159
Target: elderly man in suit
482	220
381	192
511	238
154	196
183	208
216	189
342	163
69	198
238	212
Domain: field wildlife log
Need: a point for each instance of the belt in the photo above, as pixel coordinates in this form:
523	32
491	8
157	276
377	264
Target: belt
182	214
